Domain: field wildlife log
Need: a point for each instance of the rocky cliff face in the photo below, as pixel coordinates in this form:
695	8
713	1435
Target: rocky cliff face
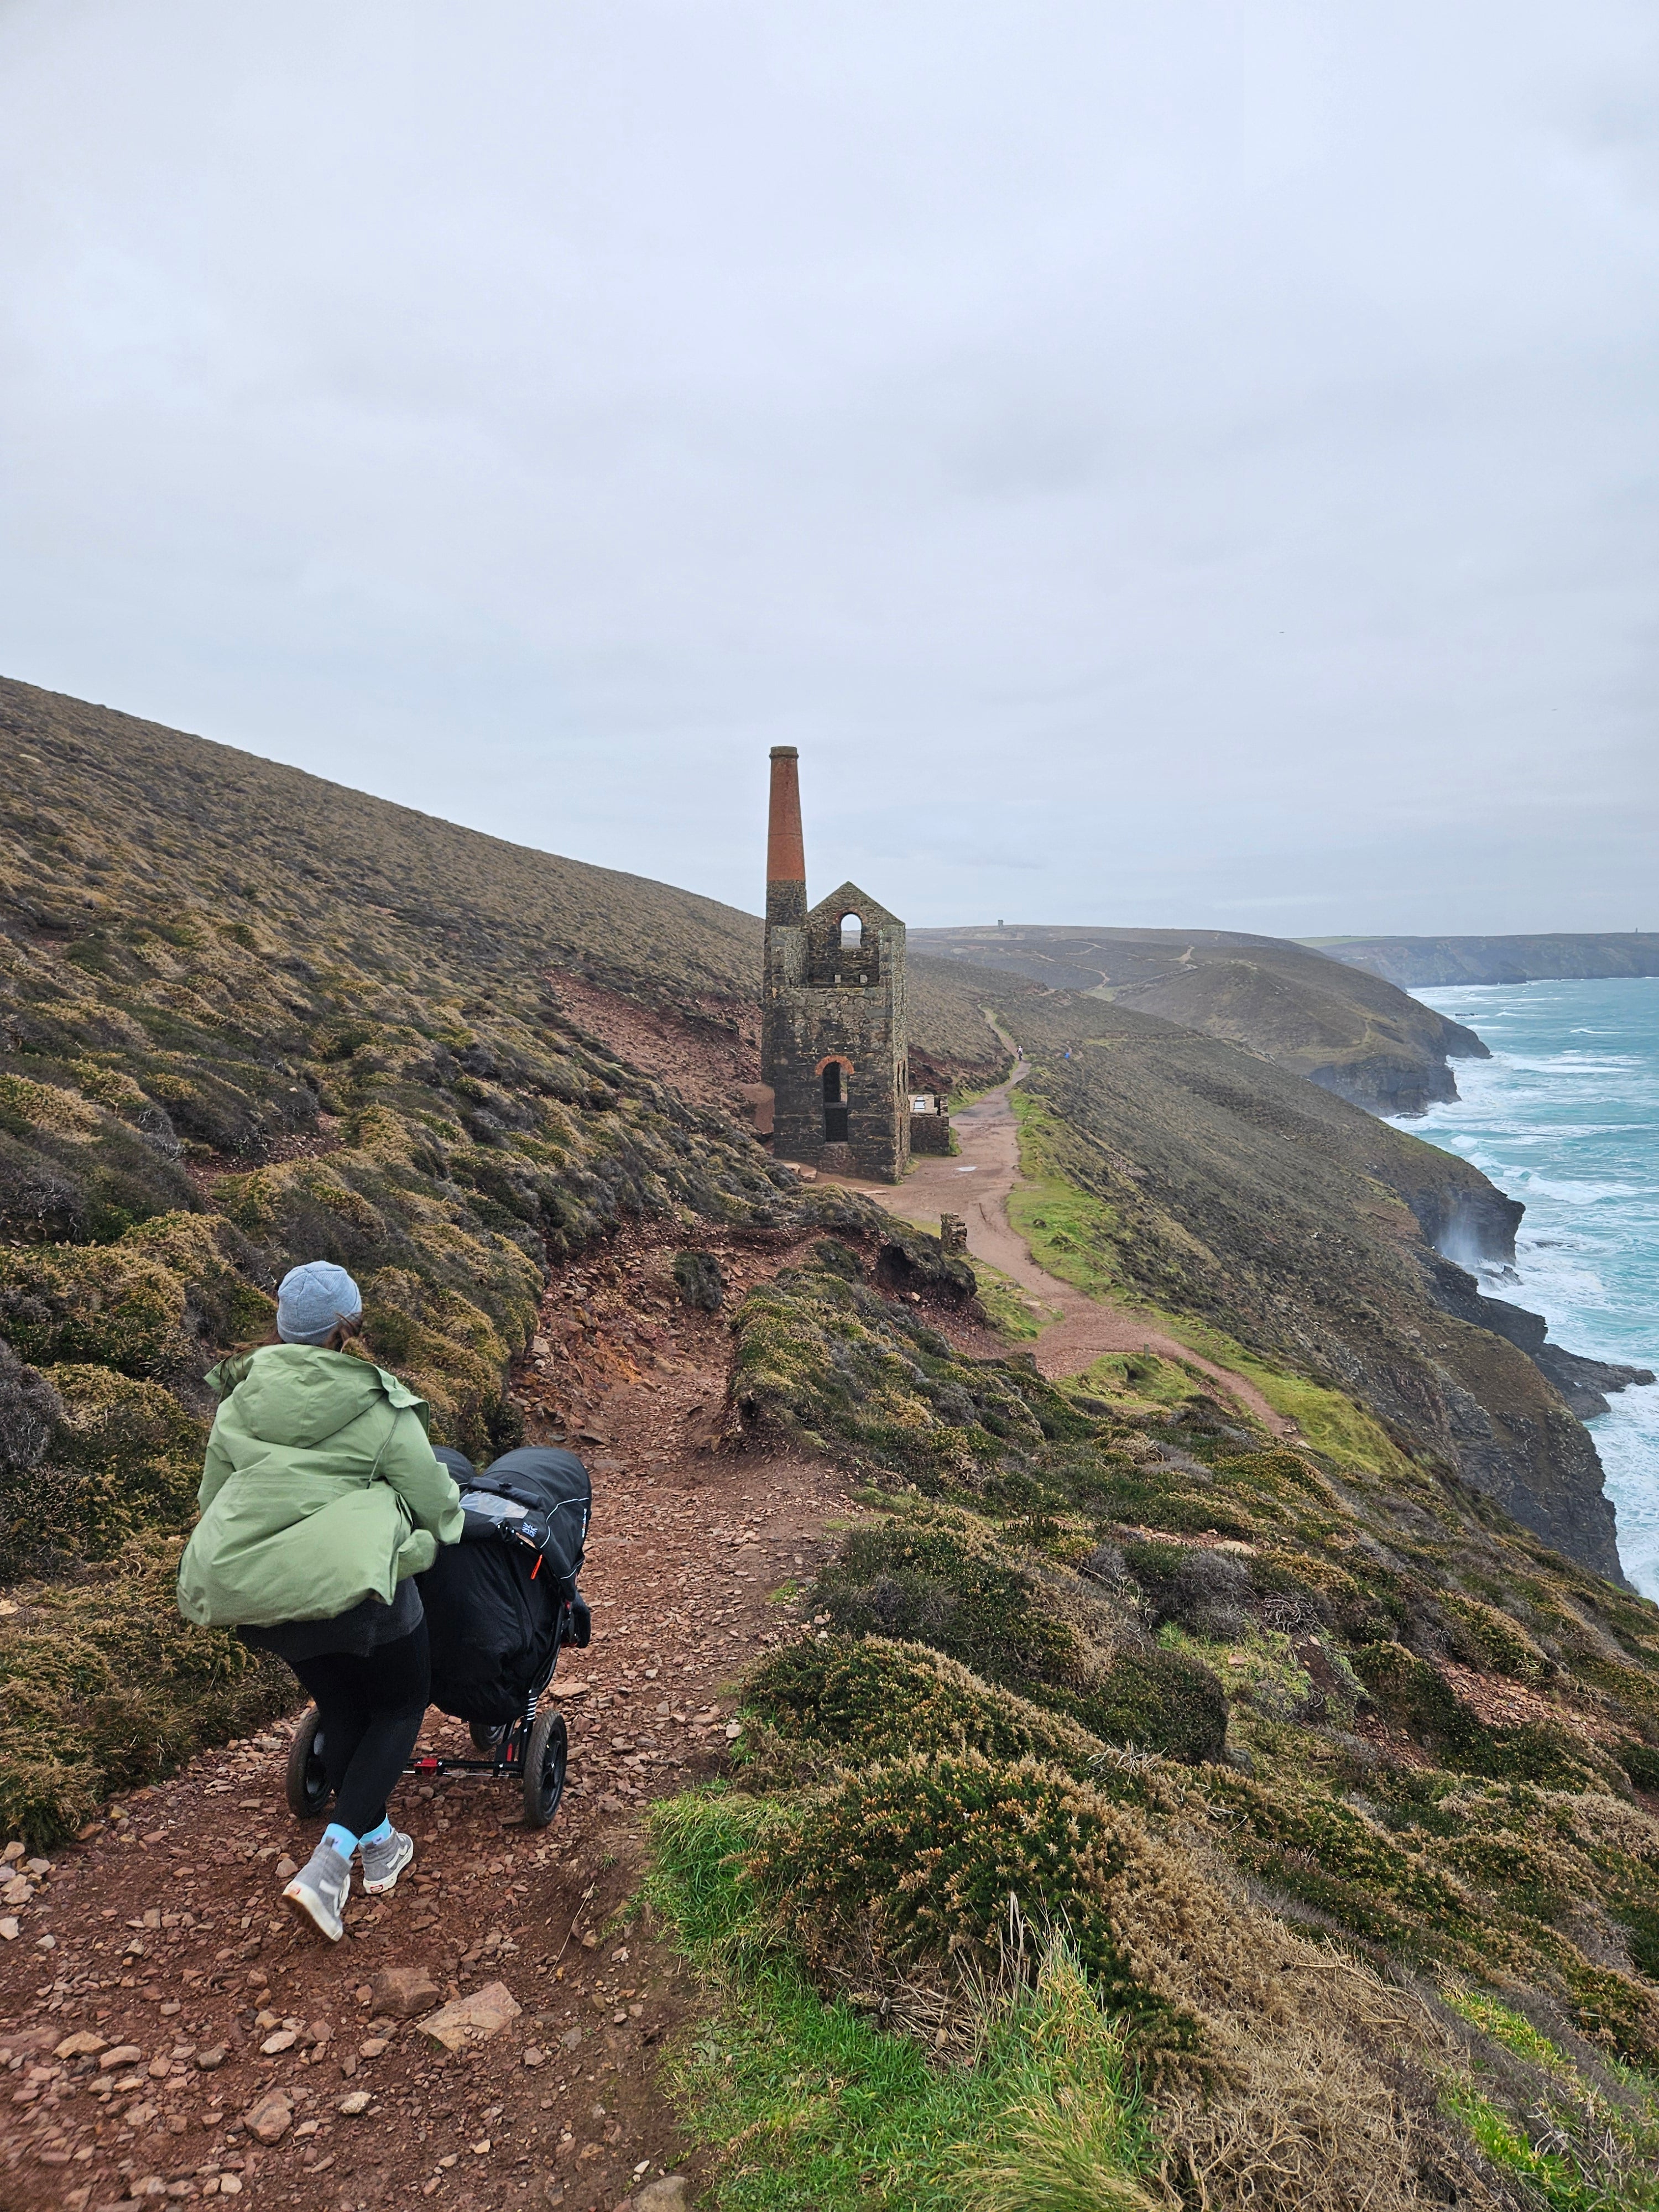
1583	1383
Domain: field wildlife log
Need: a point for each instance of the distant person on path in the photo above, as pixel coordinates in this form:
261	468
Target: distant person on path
322	1501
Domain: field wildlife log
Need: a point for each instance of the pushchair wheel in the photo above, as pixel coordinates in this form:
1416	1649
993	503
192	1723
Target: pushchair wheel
544	1766
308	1791
484	1738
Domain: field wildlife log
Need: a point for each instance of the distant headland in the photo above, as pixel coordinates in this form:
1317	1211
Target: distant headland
1419	964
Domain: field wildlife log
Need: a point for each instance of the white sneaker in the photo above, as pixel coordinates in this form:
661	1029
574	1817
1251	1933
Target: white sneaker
384	1861
319	1892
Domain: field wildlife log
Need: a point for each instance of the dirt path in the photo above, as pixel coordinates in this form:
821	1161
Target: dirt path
161	1934
976	1186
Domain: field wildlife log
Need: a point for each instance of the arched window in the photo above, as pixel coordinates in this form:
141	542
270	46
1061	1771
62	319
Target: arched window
852	935
832	1083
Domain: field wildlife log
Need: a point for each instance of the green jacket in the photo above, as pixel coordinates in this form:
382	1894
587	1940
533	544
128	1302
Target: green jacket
319	1489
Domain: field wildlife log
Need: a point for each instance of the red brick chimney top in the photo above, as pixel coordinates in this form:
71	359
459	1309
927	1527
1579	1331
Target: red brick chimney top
786	855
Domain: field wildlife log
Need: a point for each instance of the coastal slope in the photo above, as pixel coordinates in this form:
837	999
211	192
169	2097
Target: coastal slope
1423	964
1316	1236
1350	1032
1318	1746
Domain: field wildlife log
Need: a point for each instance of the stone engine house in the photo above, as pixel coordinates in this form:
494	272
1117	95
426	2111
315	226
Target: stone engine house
834	1041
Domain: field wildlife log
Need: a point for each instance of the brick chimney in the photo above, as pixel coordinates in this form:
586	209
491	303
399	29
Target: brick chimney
786	856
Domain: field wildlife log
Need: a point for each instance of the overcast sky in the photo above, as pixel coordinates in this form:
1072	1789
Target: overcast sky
1161	463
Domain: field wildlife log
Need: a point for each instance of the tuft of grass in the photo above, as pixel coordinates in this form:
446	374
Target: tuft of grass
1011	1310
1585	2144
1506	2027
1131	1381
806	2103
1558	2179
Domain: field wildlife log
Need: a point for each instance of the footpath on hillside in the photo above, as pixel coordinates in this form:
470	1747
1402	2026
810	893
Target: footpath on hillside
976	1186
212	2047
169	2032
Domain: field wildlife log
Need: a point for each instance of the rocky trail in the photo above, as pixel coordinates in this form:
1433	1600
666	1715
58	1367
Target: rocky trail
167	2031
976	1186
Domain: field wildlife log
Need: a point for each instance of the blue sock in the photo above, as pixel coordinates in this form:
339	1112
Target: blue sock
378	1835
342	1839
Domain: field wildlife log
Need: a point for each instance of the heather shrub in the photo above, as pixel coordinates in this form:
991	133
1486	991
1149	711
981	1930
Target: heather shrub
108	1304
1156	1701
929	1861
937	1577
1206	1591
30	1411
1495	1640
701	1281
104	1685
125	1458
837	1258
880	1699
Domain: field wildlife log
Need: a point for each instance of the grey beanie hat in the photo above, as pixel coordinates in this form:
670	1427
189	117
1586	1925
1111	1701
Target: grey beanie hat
313	1300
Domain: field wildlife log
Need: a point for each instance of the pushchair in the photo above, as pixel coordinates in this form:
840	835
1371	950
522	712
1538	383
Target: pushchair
500	1606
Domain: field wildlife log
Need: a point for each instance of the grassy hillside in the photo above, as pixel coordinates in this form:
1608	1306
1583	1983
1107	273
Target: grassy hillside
1422	963
1254	1826
1240	1201
1351	1032
408	896
249	1019
1150	1812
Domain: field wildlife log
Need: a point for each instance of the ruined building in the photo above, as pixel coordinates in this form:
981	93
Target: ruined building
834	1046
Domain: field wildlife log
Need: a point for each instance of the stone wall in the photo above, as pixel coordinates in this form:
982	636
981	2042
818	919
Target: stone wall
930	1132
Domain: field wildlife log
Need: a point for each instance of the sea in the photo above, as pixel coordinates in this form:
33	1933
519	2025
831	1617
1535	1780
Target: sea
1564	1116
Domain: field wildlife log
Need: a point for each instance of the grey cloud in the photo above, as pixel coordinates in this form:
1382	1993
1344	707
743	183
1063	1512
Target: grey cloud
1147	460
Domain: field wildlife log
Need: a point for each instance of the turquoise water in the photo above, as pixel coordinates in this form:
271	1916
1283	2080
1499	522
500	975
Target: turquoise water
1564	1116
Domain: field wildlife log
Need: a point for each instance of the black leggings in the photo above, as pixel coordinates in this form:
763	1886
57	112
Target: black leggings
371	1710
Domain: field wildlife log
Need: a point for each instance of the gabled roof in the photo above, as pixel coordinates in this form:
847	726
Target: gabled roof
849	899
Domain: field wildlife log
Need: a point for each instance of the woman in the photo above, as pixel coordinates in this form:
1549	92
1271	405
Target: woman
322	1501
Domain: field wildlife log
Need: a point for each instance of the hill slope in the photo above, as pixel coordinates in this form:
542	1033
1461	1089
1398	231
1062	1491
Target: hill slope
248	840
1312	1235
1357	1035
1425	963
249	1019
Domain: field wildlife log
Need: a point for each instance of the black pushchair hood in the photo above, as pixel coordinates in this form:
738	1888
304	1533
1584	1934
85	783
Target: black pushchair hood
501	1602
